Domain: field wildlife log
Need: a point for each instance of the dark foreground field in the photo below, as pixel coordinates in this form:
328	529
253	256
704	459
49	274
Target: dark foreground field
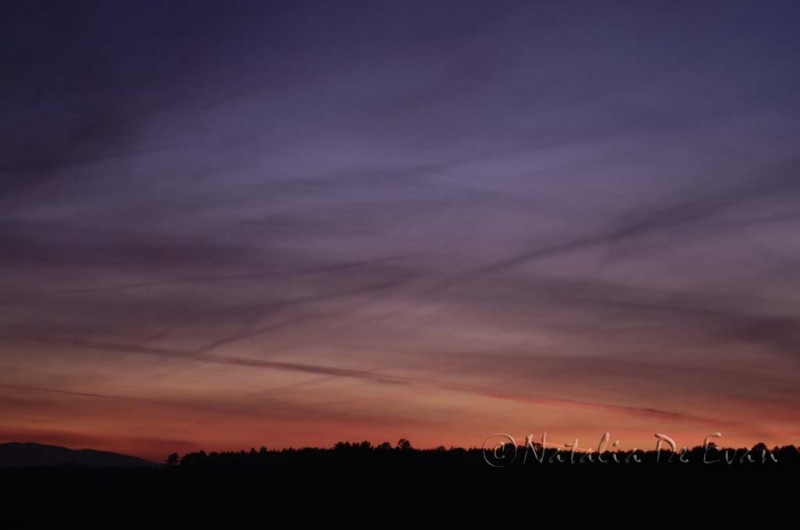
226	487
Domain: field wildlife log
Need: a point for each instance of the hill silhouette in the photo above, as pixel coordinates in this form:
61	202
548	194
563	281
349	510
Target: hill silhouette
26	454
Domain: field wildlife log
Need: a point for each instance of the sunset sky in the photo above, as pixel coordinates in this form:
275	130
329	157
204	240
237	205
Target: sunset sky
287	223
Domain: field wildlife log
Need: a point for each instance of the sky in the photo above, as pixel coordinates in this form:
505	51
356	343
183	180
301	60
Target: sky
288	223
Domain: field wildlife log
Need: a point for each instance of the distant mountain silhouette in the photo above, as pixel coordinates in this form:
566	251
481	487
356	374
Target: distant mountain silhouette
18	454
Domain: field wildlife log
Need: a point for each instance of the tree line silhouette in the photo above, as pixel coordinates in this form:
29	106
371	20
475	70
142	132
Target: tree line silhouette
403	459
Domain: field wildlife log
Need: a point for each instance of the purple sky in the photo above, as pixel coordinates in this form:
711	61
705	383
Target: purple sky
227	224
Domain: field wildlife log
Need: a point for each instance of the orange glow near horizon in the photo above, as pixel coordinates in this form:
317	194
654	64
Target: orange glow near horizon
183	407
